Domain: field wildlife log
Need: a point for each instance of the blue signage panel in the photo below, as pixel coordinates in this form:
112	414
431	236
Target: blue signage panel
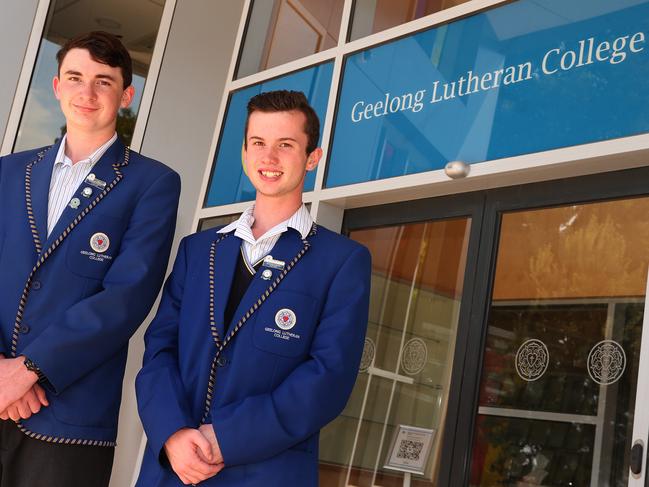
528	76
228	183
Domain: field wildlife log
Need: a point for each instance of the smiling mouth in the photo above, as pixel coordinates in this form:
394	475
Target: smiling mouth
270	174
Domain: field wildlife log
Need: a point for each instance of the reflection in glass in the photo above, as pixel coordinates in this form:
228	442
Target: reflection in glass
228	183
280	31
371	16
135	22
477	89
417	276
569	277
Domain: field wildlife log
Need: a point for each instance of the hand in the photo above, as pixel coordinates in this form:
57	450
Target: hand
191	457
15	381
27	405
207	430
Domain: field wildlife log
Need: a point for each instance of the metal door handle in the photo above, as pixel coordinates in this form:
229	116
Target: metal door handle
635	462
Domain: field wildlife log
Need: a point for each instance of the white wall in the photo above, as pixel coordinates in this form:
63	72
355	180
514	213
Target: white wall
179	132
16	20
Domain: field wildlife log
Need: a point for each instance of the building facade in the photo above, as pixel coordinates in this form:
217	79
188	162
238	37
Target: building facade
494	157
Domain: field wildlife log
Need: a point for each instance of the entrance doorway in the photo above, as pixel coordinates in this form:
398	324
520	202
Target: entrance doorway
507	325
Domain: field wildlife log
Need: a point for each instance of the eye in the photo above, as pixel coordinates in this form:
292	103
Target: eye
285	145
258	143
103	82
74	78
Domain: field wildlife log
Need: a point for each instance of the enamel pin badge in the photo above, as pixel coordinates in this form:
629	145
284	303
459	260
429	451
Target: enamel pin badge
74	203
99	242
87	192
95	181
274	264
285	319
266	274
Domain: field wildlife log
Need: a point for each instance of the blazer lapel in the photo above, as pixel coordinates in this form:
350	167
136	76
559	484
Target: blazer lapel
103	171
225	262
289	249
39	190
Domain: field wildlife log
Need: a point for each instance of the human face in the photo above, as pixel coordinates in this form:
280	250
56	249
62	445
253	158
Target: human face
275	156
90	93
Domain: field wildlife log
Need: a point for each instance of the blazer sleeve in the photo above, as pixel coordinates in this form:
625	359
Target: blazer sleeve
262	426
161	397
99	326
3	347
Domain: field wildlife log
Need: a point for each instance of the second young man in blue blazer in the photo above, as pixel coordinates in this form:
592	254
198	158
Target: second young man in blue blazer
259	334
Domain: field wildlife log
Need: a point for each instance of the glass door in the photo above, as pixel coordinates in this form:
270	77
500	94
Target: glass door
417	317
561	362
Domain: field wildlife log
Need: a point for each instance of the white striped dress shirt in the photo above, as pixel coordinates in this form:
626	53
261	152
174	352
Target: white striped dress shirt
66	178
256	249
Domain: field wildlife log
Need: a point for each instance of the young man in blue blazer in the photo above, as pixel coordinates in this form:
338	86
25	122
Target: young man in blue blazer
86	227
258	337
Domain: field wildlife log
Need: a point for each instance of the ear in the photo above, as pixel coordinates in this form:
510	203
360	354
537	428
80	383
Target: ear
313	159
56	82
127	97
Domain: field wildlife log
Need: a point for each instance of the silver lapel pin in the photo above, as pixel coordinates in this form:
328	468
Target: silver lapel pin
74	203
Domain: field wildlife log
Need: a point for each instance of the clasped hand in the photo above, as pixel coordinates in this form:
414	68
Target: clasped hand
194	454
20	395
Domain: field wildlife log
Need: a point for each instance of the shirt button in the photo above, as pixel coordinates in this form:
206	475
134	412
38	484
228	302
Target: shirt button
24	329
36	285
221	361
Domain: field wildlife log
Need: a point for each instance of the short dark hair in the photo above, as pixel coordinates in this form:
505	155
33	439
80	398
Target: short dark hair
104	48
286	101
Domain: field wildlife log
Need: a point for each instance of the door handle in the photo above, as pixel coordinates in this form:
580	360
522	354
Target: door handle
635	461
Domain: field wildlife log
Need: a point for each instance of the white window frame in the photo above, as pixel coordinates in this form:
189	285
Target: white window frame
328	204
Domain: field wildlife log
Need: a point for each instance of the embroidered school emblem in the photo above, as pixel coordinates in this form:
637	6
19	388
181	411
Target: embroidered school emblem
99	242
285	319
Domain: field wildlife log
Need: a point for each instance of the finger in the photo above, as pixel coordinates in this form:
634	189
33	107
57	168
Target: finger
12	411
204	446
32	402
23	409
40	394
4	415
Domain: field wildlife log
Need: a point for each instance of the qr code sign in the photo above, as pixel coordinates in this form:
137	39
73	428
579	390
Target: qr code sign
410	450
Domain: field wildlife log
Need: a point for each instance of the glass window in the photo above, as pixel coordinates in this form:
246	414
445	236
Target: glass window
516	79
280	31
135	22
371	16
404	378
561	363
229	183
216	221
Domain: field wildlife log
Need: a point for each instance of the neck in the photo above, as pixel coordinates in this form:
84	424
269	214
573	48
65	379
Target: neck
269	212
79	146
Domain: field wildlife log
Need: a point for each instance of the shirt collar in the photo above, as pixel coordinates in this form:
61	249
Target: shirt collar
61	158
300	220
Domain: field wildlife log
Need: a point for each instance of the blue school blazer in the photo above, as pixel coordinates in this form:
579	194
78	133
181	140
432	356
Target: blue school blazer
71	301
285	367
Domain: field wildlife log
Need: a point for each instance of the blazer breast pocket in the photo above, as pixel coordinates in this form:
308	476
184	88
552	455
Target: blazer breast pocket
285	324
93	244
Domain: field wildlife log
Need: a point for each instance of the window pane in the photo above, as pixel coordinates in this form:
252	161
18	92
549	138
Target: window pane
404	378
280	31
371	16
228	183
136	22
493	85
562	353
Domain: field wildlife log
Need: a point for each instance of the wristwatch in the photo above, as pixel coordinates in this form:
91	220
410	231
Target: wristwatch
34	368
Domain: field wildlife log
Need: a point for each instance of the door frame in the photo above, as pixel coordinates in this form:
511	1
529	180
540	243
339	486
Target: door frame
485	209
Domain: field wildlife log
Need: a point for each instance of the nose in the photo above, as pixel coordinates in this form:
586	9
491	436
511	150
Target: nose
270	155
88	91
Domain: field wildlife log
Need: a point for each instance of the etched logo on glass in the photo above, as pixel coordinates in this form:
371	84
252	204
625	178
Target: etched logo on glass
414	356
532	360
369	349
606	362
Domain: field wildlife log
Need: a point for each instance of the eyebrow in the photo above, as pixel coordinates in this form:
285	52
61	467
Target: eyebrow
100	76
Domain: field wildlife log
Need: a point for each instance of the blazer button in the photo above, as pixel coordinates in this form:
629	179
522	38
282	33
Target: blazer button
36	285
24	329
221	361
